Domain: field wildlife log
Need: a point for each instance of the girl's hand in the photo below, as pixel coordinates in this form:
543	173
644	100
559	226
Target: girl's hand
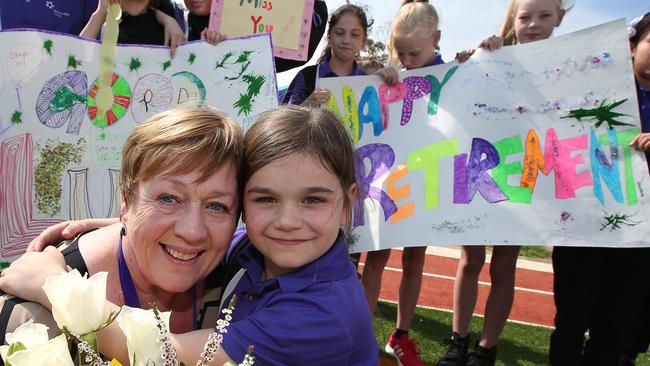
318	97
491	43
389	75
174	35
463	56
212	37
65	230
25	276
641	141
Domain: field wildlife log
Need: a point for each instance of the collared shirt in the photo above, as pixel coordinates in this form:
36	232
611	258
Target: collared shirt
436	61
644	113
64	16
304	83
315	315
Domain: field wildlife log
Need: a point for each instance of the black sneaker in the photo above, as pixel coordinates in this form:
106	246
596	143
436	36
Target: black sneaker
482	356
456	354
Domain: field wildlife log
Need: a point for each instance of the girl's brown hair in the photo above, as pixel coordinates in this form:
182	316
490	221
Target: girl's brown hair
334	19
291	130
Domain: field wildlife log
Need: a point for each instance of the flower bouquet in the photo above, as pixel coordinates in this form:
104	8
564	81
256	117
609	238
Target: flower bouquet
146	331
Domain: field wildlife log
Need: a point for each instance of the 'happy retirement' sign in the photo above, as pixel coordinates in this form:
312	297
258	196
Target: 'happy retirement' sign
526	145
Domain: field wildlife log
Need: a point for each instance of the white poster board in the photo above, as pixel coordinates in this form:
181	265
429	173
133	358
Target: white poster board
58	160
491	151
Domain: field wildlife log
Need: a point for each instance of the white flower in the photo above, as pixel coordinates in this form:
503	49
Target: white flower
142	334
29	334
78	303
53	352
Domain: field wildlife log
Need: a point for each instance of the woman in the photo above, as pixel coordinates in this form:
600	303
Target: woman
176	220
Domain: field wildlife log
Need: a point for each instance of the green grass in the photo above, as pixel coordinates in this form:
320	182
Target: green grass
535	252
519	344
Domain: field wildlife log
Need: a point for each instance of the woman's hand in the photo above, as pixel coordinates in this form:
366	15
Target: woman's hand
65	230
212	37
641	141
174	35
318	97
491	43
388	75
26	275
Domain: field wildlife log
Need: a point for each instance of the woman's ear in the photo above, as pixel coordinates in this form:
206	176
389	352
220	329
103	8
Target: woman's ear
124	209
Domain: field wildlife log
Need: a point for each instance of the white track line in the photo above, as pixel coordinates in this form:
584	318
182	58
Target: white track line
483	283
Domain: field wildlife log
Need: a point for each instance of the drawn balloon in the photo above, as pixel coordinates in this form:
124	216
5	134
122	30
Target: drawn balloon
152	93
63	100
188	88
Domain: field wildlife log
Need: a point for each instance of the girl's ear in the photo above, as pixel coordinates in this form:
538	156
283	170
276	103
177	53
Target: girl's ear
349	200
560	17
436	36
633	49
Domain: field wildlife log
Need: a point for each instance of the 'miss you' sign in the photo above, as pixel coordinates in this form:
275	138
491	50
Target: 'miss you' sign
526	145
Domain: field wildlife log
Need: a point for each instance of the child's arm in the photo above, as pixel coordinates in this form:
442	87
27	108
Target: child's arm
97	19
641	141
174	35
389	75
318	97
491	43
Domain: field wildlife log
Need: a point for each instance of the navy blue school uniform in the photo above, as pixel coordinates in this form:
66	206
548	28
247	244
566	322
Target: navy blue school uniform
315	315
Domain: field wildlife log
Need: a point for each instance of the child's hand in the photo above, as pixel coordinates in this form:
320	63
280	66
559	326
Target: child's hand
212	37
318	97
491	43
389	75
174	35
25	276
641	141
463	56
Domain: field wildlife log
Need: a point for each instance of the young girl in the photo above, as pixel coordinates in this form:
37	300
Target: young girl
299	300
347	34
526	21
412	44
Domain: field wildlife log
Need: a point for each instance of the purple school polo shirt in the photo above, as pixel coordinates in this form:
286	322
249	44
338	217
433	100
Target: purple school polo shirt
301	88
65	16
315	315
436	61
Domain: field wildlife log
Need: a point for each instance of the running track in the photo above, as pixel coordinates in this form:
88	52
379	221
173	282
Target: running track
533	302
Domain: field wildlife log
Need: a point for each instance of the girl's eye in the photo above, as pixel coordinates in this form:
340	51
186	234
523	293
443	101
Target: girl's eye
264	199
313	200
167	199
524	17
217	207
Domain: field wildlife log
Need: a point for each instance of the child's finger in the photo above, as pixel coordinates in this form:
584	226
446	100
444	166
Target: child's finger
635	139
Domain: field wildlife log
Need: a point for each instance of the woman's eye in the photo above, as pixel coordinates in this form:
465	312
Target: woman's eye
217	207
167	199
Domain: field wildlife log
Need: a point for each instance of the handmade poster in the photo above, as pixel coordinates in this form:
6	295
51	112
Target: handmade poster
289	22
59	158
528	145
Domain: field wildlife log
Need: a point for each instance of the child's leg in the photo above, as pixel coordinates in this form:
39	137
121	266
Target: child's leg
409	289
466	287
502	291
373	270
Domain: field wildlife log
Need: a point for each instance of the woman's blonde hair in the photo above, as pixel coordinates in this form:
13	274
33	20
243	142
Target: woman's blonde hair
177	141
507	31
413	17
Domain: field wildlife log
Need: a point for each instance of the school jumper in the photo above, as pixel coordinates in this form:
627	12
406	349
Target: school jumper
64	16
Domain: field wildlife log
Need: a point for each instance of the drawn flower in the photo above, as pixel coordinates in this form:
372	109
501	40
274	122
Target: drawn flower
142	334
78	303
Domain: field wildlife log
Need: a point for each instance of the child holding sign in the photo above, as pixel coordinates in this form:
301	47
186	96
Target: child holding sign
347	34
412	44
526	21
